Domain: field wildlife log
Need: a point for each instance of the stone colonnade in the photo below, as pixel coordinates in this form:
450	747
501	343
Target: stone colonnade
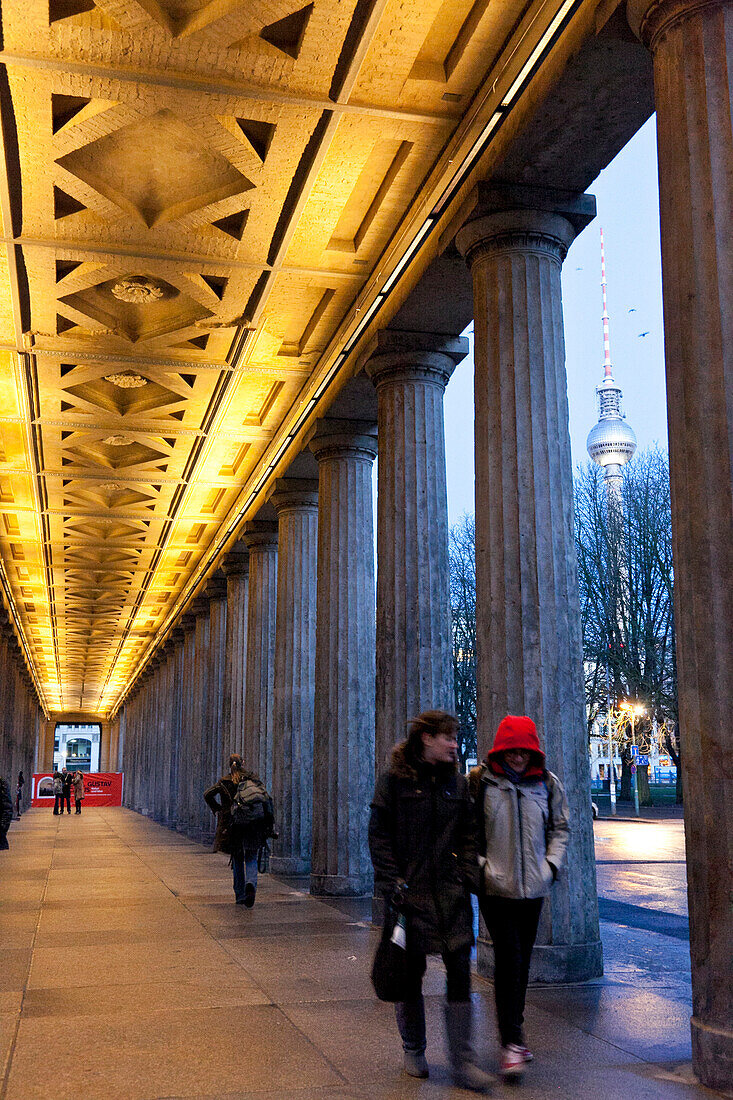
289	657
527	623
20	714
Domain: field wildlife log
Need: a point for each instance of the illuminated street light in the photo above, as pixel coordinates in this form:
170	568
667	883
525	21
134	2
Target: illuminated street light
633	710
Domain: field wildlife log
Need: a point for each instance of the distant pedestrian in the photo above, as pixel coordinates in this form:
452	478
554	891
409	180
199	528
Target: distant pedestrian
78	790
66	781
6	813
523	831
423	845
58	793
19	793
245	821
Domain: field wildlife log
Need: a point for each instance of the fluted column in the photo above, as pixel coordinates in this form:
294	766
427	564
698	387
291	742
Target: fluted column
177	688
343	753
236	569
410	371
216	593
200	718
187	743
260	537
527	609
296	503
692	48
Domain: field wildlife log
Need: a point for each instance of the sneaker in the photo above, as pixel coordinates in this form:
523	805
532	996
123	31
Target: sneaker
415	1065
526	1054
512	1060
249	895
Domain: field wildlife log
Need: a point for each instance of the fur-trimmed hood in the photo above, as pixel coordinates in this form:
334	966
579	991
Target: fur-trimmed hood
404	764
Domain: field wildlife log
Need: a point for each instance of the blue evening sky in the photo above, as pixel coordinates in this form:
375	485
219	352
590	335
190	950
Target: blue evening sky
628	211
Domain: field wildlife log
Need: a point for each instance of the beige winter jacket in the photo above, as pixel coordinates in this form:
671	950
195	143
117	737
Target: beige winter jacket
525	833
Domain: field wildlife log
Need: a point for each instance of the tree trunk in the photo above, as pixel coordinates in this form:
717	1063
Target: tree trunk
642	779
625	792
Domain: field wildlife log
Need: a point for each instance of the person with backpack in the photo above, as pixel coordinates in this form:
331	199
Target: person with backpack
6	813
523	829
423	847
245	822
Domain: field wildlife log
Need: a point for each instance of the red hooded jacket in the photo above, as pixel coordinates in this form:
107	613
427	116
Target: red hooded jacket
517	732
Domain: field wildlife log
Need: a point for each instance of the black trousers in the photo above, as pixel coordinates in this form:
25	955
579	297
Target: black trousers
58	803
457	974
512	925
66	798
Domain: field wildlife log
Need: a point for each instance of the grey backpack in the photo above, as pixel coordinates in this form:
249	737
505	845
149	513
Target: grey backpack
251	804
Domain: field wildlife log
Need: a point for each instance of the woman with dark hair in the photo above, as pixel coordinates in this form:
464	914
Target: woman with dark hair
523	836
78	784
242	842
423	847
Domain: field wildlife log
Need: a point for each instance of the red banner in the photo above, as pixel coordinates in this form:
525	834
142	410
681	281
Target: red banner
100	789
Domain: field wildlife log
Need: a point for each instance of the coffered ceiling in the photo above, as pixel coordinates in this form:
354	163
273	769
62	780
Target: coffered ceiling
195	195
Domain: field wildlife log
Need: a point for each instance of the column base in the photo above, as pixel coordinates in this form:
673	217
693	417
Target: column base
289	865
552	964
341	886
712	1055
378	908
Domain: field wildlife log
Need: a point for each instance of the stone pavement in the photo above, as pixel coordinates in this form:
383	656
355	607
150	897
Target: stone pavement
127	973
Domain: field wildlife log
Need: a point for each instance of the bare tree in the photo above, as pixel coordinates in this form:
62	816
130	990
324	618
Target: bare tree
463	613
626	581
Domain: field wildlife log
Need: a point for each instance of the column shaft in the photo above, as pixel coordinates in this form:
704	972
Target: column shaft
261	539
414	670
527	610
343	759
692	48
296	503
236	568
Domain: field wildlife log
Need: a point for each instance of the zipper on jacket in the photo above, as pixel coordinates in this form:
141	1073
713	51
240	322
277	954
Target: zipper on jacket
521	838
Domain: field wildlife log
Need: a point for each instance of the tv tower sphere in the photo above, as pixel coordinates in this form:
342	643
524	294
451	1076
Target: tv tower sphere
611	442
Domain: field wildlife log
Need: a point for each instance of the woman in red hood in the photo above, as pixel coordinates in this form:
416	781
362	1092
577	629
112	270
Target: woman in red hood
523	835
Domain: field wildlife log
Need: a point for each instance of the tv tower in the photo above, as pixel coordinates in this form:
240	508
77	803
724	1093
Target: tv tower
611	442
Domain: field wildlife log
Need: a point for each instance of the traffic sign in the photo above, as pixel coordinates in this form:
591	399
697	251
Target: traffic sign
643	761
634	750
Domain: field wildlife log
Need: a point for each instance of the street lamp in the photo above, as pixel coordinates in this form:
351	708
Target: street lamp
633	710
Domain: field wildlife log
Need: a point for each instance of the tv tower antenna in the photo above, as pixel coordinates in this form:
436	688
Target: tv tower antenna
611	442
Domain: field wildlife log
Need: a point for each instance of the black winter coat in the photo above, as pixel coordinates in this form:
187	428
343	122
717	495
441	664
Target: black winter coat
229	838
422	831
6	813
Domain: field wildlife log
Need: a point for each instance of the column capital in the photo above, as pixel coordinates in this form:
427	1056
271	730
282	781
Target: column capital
236	562
650	19
188	621
260	534
176	636
515	217
199	606
335	438
291	493
424	356
216	586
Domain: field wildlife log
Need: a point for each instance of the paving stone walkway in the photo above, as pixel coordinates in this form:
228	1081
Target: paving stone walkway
127	973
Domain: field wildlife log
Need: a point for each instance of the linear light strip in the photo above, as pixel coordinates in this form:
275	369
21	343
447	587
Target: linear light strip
557	24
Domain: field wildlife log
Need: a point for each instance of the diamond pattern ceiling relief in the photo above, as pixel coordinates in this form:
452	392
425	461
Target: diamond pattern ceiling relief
156	169
201	198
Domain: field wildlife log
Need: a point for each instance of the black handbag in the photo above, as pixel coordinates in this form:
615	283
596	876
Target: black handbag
390	974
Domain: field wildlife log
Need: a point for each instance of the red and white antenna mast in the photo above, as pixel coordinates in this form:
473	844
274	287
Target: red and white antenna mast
607	370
